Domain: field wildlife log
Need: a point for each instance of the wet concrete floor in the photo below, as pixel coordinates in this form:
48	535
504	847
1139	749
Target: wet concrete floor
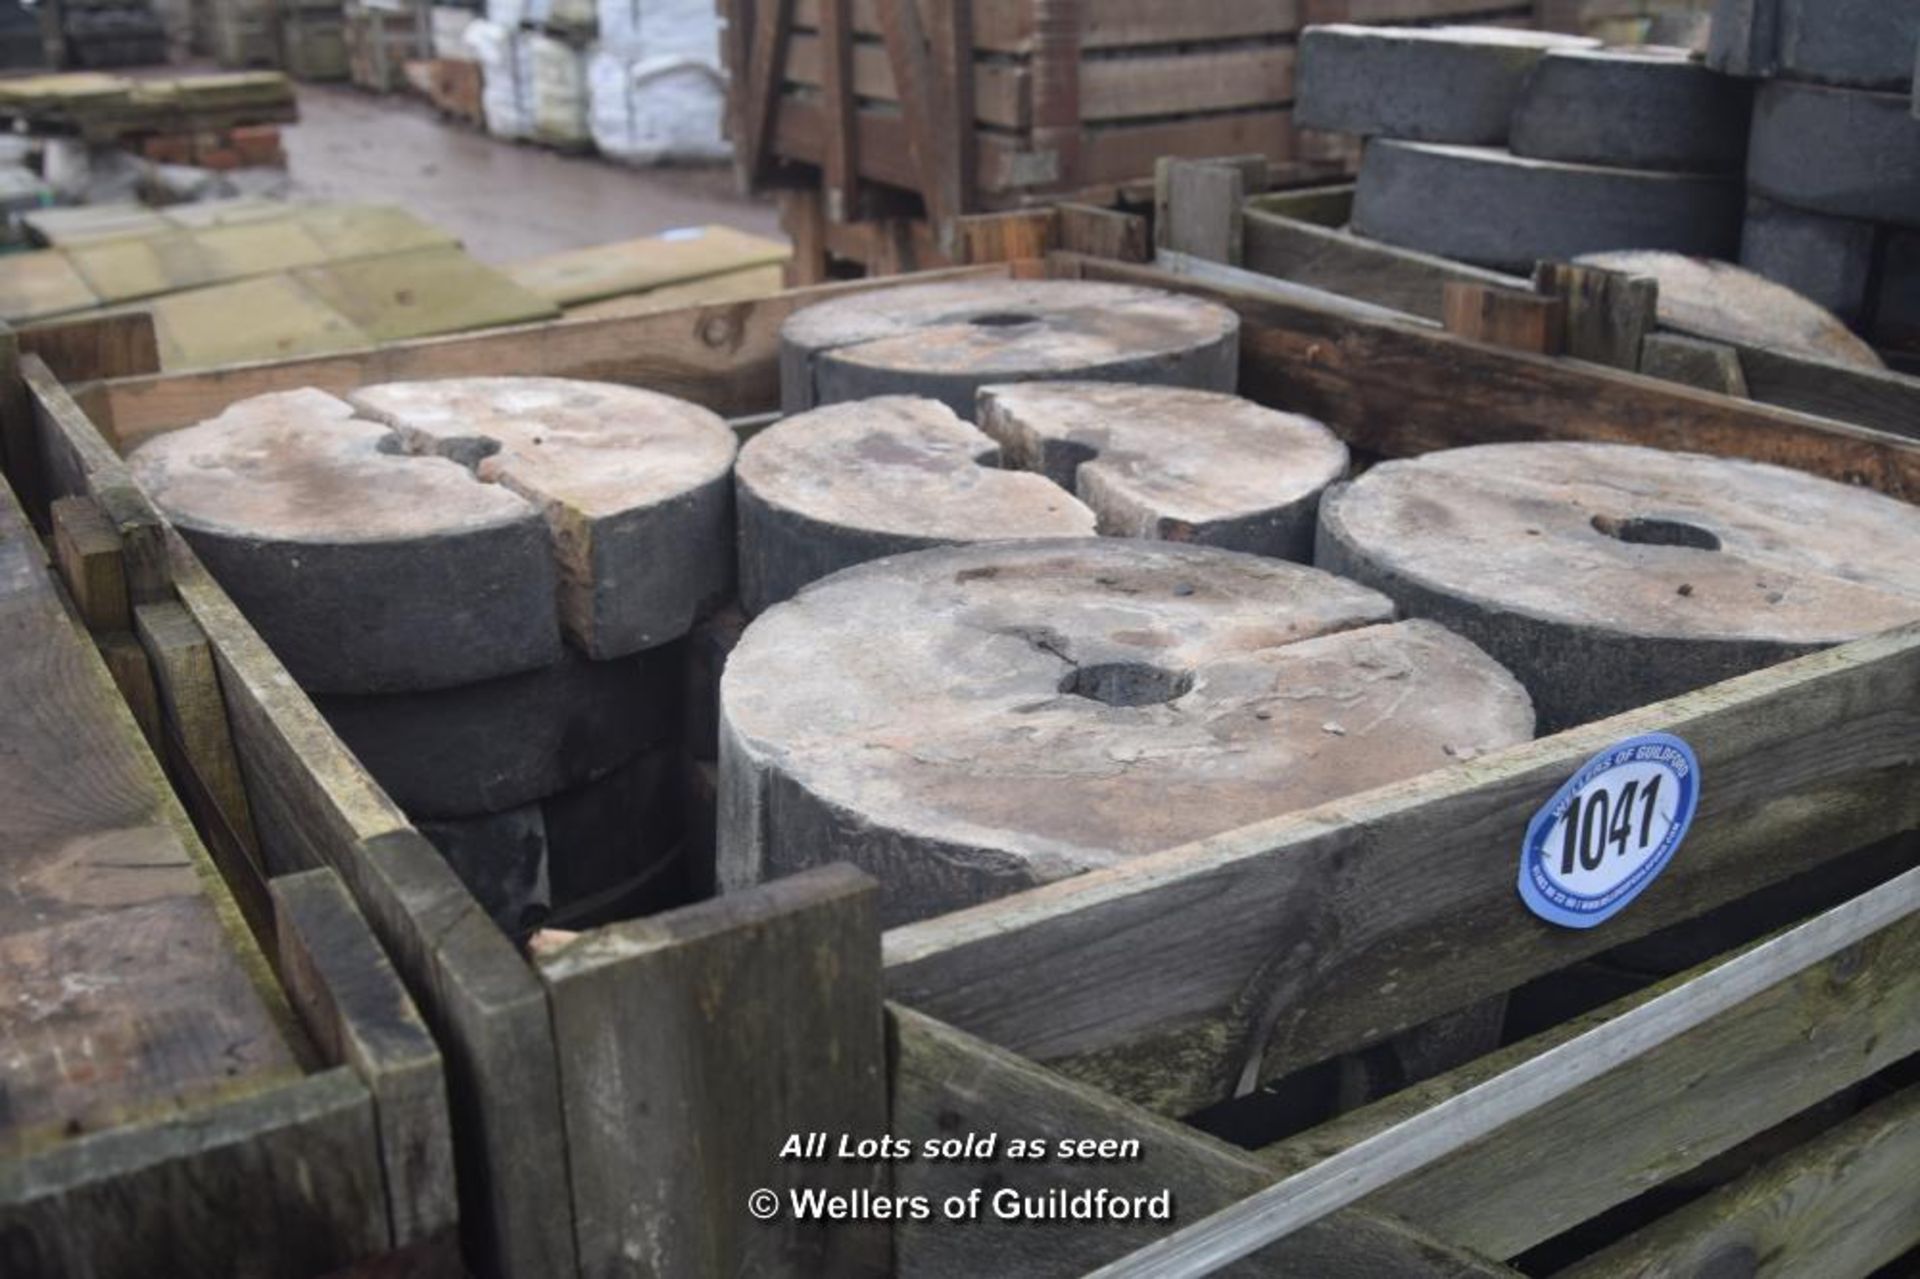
504	200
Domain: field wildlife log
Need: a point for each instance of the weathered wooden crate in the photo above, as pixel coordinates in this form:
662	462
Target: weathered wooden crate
1012	102
617	1100
196	1139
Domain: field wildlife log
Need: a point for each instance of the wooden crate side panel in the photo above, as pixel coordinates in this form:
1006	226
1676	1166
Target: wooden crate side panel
947	1084
1329	930
285	1182
1006	26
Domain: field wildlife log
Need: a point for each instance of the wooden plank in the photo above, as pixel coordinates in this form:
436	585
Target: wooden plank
934	139
696	1043
725	356
1609	313
316	806
1667	1109
1842	1206
1103	233
1315	922
1505	317
769	25
117	345
1696	362
1332	259
1886	401
1008	26
1198	204
19	449
285	1181
1186	82
1000	90
838	76
950	57
1118	153
76	461
1327	206
573	276
1397	389
1060	31
359	1014
1013	236
86	549
133	675
946	1084
134	989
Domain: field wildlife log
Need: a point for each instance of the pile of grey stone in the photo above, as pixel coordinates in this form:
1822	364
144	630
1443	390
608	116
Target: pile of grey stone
1833	177
485	585
1503	147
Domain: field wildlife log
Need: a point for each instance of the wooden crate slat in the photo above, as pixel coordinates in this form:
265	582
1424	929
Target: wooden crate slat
1006	26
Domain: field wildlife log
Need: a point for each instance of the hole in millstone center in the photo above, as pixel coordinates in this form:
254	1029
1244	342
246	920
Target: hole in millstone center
1126	683
1003	319
1649	531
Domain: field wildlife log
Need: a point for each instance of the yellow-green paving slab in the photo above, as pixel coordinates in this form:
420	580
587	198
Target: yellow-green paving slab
125	270
369	230
211	213
416	294
67	226
273	317
40	284
634	266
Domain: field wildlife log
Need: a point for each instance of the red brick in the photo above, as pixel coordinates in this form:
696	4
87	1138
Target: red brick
168	148
220	158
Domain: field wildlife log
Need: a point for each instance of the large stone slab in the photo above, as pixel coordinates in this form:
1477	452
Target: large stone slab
366	569
852	482
1827	260
1643	107
946	341
419	536
1499	210
1172	463
1869	44
1722	301
501	743
1607	576
1431	84
1845	152
966	722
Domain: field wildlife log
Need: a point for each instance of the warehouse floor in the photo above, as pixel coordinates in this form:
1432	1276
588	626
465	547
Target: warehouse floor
503	199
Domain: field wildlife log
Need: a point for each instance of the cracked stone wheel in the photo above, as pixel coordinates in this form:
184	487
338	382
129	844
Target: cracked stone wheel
946	341
969	721
1607	576
417	535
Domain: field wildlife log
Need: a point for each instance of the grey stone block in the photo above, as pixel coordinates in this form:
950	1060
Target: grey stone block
1868	44
946	341
1430	84
483	748
365	570
1825	259
1500	210
1845	152
1607	577
967	722
1171	463
1633	108
847	483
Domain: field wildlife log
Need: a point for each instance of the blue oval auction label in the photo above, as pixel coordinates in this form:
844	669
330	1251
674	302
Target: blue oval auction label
1610	831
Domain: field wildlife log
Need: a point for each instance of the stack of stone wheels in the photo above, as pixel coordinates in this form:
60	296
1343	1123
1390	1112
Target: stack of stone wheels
1833	174
481	582
1504	147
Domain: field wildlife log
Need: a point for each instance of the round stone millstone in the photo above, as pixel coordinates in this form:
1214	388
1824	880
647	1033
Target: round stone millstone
966	722
853	482
1607	576
1429	84
417	536
1632	108
1499	210
486	747
946	341
1846	152
1172	464
366	570
1719	300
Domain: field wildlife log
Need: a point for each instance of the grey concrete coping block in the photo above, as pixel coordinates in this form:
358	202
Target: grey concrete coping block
1495	209
1607	576
1825	259
1430	84
946	341
1844	152
1172	463
967	722
1633	108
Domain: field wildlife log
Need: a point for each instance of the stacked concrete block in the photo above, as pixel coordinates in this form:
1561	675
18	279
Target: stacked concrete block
1607	577
970	721
1834	165
484	584
1504	148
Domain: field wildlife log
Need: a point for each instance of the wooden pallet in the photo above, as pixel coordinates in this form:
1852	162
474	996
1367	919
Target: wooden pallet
608	1114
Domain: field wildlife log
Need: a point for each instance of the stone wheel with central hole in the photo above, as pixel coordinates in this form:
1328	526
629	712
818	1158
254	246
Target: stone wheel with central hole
418	535
1607	576
946	341
966	722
